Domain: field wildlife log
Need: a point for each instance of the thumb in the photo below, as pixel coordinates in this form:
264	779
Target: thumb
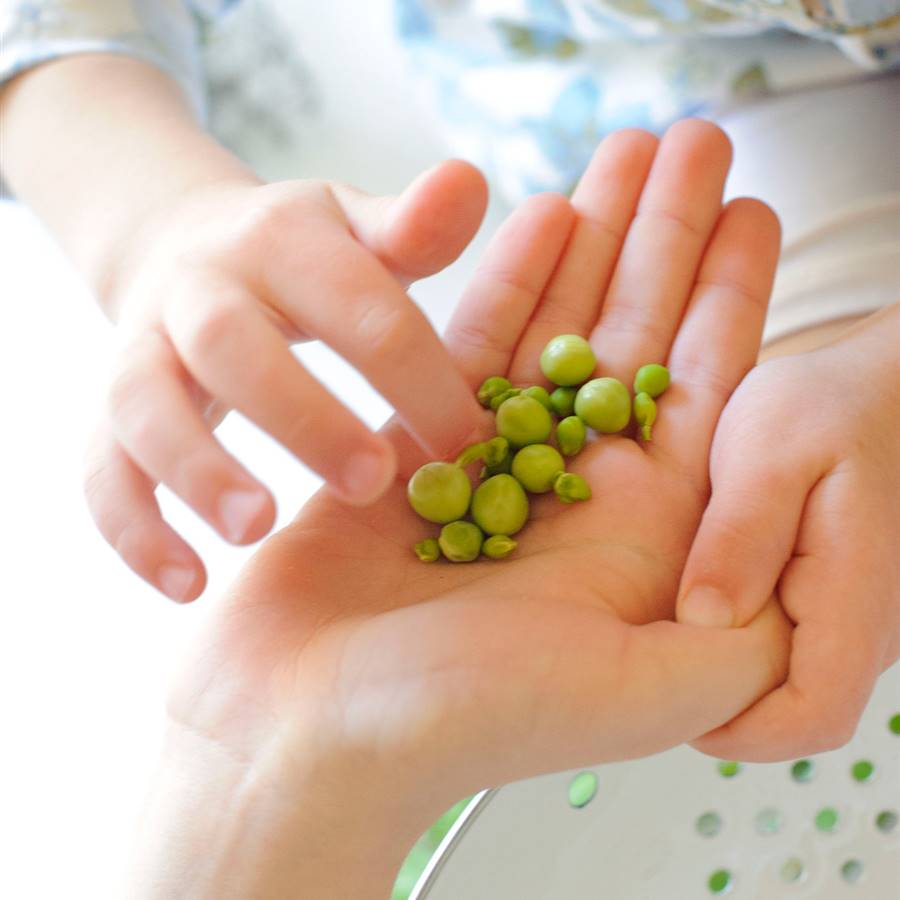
745	539
424	229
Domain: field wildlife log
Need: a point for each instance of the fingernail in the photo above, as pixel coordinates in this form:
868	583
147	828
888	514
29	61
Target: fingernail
238	512
707	607
176	582
367	476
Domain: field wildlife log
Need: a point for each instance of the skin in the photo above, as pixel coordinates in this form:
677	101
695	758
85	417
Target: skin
393	673
202	266
813	524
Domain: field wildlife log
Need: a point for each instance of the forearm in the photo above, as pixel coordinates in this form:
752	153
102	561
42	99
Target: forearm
219	827
97	145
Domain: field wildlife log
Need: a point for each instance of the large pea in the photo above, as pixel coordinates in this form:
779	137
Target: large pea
604	404
439	492
651	379
540	394
536	467
523	420
499	505
460	541
568	359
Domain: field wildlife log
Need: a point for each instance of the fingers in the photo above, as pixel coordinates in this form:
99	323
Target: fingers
357	308
675	678
496	307
605	200
424	229
835	590
159	427
663	249
719	338
121	501
214	327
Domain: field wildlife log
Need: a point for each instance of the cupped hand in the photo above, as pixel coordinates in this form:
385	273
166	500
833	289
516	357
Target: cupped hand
805	504
337	638
209	299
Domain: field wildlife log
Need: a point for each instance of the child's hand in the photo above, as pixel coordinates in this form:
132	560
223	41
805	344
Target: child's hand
209	299
805	475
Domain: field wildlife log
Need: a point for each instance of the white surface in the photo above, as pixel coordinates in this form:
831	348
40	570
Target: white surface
637	838
85	647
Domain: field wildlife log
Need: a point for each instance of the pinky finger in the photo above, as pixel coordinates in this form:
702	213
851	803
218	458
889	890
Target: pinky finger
122	503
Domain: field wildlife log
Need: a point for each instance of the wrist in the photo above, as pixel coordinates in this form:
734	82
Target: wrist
220	825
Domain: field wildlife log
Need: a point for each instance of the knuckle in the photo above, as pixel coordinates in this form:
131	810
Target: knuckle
386	333
208	330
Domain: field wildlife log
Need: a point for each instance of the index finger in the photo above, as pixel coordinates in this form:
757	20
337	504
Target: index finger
340	293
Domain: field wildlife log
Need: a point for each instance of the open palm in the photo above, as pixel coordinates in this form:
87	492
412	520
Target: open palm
563	654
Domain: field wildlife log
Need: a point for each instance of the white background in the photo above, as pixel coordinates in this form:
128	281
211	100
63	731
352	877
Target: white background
85	647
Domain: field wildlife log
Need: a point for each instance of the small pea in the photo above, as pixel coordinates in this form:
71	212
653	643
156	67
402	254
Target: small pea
571	435
651	379
492	387
439	492
604	404
471	453
568	359
563	401
461	541
496	450
570	487
500	505
645	413
491	452
540	394
523	421
498	545
428	550
536	466
504	467
500	399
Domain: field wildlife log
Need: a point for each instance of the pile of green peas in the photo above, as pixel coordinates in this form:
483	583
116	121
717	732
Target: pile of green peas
521	459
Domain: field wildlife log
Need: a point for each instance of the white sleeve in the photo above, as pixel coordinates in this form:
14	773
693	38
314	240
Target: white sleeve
826	161
162	32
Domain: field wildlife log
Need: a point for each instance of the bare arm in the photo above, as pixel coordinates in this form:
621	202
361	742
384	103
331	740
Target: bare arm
97	144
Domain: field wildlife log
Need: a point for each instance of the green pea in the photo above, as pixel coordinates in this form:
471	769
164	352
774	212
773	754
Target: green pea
492	387
645	413
500	505
460	541
568	359
428	550
522	421
471	453
500	399
570	487
498	545
604	404
496	450
571	435
536	466
502	468
439	492
540	394
563	401
651	379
